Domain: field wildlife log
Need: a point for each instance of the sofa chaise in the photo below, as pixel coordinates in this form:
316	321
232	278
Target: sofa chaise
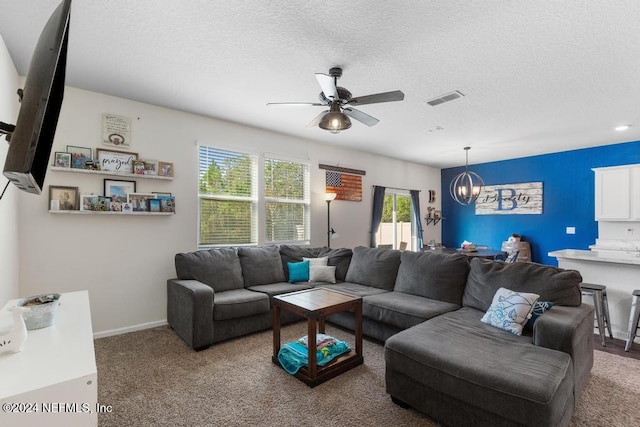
441	357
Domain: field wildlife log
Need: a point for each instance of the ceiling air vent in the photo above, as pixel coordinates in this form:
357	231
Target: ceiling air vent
445	98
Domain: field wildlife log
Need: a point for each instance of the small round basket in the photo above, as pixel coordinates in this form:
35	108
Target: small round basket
42	310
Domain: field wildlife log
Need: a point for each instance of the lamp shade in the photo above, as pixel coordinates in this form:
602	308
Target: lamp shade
335	120
330	196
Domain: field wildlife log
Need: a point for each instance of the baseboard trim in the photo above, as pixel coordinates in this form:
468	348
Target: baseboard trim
128	329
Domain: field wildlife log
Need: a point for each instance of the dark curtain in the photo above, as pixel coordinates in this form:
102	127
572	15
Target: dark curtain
415	208
376	212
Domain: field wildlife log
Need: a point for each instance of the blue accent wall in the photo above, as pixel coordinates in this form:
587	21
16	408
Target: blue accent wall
568	201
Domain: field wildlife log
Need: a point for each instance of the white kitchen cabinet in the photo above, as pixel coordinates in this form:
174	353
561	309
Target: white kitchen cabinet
617	193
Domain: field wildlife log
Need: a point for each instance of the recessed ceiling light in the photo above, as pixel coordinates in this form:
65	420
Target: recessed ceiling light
622	127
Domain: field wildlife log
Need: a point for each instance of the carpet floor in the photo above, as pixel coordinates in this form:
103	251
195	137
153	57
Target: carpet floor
151	378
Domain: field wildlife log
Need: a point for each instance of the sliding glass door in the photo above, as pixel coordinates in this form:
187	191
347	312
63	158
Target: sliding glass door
396	227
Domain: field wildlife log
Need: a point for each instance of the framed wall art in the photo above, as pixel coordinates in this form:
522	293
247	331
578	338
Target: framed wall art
62	159
116	130
150	167
79	156
116	161
140	201
65	198
118	189
165	169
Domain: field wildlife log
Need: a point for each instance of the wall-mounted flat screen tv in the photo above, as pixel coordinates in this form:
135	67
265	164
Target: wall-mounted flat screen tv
31	140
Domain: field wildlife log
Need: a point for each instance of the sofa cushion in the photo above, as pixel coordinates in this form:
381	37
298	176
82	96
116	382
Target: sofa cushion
374	267
403	310
261	266
431	275
539	308
294	253
510	310
313	262
322	273
559	286
218	268
238	303
298	271
454	354
340	258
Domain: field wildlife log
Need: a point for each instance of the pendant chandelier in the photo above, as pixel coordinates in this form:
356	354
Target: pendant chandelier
466	187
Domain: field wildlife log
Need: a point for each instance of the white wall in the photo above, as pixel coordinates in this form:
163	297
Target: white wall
124	261
9	243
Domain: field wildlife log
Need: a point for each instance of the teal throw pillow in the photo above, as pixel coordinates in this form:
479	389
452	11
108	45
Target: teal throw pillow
510	310
539	308
298	271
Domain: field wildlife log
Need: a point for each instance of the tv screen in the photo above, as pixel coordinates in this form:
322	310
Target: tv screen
30	144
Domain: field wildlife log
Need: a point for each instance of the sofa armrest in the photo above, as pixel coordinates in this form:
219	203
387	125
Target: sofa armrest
569	329
190	311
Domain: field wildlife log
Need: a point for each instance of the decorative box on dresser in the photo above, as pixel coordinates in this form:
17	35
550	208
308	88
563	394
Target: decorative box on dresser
53	380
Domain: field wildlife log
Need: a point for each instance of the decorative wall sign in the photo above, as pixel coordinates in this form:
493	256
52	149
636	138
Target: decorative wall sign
510	199
345	185
116	130
116	161
345	182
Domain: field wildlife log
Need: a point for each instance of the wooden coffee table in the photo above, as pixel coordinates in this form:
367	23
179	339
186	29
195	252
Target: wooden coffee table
315	305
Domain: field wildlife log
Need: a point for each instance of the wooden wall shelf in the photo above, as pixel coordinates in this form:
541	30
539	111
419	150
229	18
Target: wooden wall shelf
126	175
111	213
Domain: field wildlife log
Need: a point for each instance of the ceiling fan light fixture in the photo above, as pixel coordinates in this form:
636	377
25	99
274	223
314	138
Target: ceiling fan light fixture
335	120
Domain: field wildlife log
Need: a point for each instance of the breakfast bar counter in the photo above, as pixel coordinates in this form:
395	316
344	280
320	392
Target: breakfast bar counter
619	272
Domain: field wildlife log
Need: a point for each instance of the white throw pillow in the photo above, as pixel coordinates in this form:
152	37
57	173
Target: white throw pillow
317	261
510	310
322	273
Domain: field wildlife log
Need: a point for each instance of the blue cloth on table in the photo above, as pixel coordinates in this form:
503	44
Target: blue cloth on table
294	355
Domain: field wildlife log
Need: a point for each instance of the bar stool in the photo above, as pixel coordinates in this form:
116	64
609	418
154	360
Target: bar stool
601	304
633	319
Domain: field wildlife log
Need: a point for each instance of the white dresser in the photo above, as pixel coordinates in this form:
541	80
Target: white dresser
53	381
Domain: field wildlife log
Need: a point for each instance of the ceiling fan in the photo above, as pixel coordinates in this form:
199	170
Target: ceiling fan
339	101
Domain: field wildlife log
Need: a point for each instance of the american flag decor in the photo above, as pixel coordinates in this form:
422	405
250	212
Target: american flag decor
345	185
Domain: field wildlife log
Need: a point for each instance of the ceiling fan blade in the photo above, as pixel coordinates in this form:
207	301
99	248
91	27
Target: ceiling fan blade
294	104
328	85
360	116
396	95
316	120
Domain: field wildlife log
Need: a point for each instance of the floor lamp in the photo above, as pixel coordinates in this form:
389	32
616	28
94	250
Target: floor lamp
329	197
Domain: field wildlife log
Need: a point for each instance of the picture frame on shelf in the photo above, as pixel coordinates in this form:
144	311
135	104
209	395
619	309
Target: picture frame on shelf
140	201
62	159
165	169
67	197
79	156
85	201
150	167
154	205
118	189
126	208
161	194
167	202
138	167
116	161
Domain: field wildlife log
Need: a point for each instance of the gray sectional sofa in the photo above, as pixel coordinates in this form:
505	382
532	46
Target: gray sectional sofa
427	308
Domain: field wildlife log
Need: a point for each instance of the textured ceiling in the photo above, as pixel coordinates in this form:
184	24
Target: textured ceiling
538	77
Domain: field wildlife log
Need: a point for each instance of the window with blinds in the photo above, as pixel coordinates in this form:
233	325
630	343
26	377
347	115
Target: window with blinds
227	197
287	200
